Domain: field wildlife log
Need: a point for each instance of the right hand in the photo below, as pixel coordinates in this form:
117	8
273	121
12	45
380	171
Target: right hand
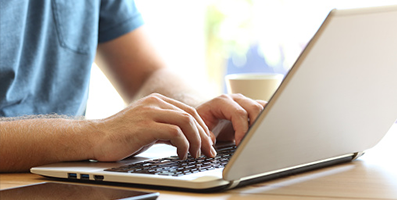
152	119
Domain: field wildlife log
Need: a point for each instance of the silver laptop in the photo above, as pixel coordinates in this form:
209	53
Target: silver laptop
338	100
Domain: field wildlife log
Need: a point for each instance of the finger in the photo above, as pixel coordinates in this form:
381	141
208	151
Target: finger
237	115
172	133
206	144
253	107
262	102
189	110
188	126
207	147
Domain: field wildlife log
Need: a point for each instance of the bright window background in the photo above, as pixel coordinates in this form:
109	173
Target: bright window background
205	39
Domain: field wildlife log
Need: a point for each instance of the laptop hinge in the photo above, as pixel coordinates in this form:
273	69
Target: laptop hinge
233	184
357	155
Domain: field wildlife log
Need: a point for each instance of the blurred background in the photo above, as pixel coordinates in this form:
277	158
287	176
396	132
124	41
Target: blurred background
204	40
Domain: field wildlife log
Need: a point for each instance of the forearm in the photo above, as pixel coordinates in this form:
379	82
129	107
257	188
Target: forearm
169	83
136	70
30	142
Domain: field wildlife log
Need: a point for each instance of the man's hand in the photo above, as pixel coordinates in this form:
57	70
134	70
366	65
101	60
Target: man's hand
229	116
150	120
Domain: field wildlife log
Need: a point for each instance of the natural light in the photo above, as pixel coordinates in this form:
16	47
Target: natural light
205	40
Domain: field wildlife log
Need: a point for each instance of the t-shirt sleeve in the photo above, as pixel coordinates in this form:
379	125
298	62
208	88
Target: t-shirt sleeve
116	18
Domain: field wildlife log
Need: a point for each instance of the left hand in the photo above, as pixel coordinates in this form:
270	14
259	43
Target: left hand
227	112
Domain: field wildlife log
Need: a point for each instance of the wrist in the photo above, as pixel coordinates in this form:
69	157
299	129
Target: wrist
92	132
79	139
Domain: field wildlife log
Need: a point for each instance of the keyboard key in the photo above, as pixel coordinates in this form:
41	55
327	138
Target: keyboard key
172	166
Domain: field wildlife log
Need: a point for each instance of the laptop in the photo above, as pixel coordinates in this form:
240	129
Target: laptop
337	101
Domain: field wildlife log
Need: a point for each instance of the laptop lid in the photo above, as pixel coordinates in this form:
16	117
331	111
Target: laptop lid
339	98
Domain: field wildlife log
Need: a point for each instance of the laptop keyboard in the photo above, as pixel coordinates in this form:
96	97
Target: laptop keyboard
173	166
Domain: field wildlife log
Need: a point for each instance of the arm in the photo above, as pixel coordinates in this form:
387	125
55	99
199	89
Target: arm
25	143
135	69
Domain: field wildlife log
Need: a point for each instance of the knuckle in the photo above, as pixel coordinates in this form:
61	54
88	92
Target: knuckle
239	95
191	110
257	107
155	94
187	118
154	97
224	96
241	112
174	131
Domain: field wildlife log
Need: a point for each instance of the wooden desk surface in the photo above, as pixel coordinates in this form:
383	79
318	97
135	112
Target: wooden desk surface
373	176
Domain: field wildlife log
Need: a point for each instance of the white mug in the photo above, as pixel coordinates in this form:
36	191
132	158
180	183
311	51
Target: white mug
257	86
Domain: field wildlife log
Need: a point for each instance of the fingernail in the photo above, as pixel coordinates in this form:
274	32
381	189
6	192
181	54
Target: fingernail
198	154
213	151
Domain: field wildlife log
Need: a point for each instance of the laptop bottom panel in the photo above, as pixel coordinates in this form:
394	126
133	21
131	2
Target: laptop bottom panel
210	181
296	171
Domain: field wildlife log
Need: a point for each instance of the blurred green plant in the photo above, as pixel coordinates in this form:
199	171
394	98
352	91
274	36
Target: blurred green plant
228	31
229	26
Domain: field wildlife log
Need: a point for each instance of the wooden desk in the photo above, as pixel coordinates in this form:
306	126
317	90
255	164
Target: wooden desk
373	176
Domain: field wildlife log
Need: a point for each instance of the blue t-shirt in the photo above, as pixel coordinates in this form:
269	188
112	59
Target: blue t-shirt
47	49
